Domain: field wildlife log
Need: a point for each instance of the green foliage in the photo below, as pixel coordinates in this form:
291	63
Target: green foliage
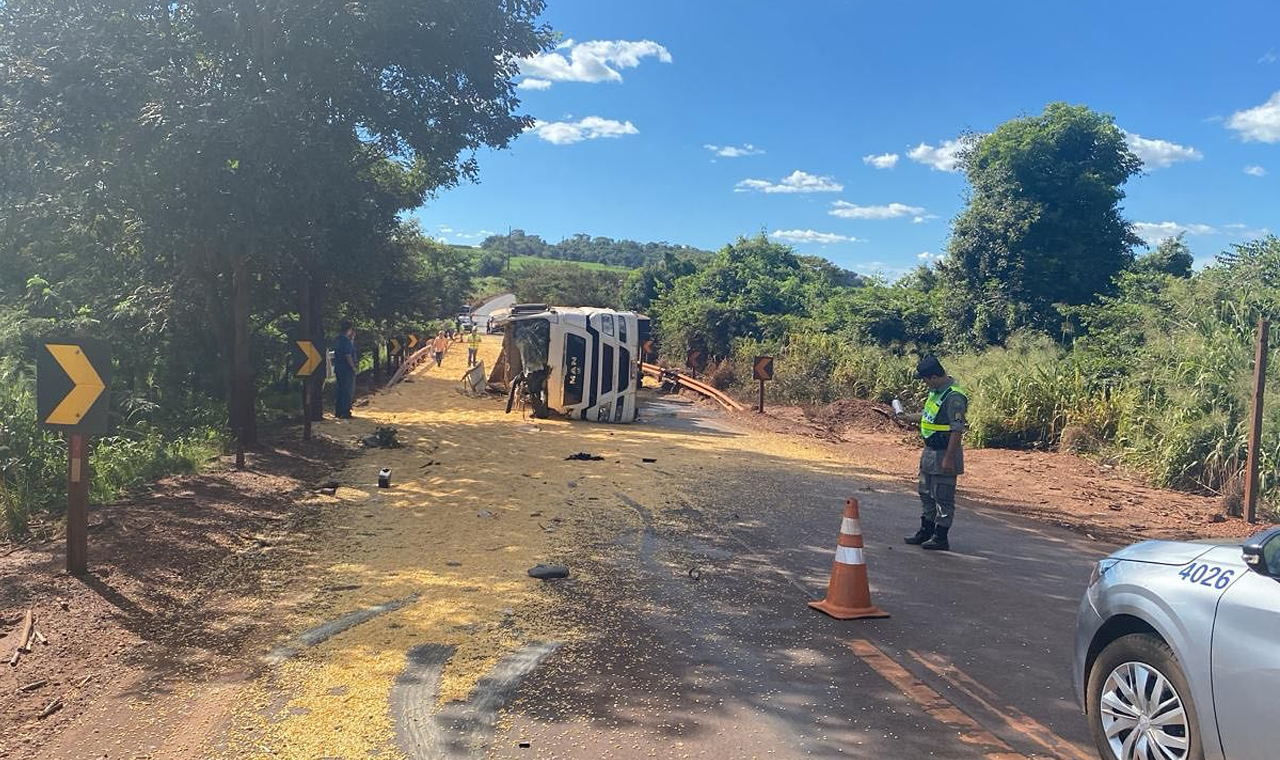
201	181
565	284
752	289
518	263
624	254
1172	256
1043	225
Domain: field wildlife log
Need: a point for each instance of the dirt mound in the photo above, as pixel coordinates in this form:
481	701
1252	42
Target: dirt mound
852	414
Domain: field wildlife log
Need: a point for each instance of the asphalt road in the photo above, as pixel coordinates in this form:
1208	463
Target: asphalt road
707	648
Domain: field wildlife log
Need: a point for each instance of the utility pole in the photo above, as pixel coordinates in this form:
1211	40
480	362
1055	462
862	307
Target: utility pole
1255	427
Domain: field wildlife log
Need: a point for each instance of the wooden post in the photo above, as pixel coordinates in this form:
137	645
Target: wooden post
77	505
761	409
306	408
1255	427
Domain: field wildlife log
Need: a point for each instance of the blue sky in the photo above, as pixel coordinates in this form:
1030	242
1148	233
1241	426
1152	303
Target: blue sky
813	100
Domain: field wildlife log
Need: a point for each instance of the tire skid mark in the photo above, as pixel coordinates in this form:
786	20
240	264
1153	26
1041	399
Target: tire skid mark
968	730
457	730
326	631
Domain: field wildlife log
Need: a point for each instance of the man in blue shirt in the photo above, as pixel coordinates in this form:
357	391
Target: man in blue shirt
344	371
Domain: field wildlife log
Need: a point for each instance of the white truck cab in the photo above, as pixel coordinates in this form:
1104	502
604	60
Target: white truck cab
580	362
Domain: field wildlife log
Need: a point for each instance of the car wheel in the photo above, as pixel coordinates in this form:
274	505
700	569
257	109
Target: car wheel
1139	703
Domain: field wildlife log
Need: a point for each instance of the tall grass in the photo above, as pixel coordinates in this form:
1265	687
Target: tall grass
1178	412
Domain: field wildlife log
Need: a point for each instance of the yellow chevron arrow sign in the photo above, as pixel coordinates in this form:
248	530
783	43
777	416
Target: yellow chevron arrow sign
395	346
312	358
87	385
413	341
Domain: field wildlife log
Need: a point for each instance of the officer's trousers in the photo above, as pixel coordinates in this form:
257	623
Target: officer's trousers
938	498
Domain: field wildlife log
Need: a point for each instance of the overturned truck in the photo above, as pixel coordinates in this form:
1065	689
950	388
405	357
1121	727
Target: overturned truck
579	362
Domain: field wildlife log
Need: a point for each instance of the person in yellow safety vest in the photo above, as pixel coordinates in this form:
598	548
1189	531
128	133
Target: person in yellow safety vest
942	424
473	346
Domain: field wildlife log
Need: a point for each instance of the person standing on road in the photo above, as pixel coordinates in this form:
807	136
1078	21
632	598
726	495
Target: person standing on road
942	425
473	347
344	371
441	345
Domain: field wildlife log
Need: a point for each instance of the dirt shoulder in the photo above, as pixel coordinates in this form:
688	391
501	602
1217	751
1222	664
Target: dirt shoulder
178	574
1097	500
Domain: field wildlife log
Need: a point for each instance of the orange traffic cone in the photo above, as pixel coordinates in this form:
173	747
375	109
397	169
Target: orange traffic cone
848	594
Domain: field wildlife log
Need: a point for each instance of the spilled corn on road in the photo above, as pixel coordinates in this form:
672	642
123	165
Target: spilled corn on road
412	629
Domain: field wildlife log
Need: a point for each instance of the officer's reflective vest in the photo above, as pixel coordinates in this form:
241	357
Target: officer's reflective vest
930	424
474	340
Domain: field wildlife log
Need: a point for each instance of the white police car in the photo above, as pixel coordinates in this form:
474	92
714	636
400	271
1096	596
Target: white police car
1178	651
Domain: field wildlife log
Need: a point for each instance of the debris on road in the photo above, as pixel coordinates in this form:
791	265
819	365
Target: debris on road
548	572
384	477
50	709
382	438
583	456
34	685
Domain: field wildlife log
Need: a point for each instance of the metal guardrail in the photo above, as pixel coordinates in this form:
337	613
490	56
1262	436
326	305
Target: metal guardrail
697	386
411	361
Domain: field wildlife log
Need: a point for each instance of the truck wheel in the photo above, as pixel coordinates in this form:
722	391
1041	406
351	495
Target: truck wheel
1139	703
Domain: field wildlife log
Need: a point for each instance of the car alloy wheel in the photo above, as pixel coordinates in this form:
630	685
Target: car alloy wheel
1142	714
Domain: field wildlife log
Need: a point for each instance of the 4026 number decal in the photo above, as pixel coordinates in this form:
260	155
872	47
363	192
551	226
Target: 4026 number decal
1209	576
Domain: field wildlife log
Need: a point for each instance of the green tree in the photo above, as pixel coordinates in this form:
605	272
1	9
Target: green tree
238	155
752	288
1042	227
566	285
1172	256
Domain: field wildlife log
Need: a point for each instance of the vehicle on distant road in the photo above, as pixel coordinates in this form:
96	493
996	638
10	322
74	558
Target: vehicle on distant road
465	321
1178	651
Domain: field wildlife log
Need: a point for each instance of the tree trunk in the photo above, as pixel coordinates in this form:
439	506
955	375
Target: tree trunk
315	325
242	390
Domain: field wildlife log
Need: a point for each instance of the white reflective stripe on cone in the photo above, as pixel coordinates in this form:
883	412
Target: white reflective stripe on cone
848	555
850	527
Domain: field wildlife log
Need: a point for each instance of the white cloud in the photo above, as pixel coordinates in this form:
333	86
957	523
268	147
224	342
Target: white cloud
795	182
1245	231
846	210
944	158
535	84
734	151
922	218
1269	57
590	128
1255	171
1160	154
812	236
1154	232
928	256
593	61
1260	123
882	161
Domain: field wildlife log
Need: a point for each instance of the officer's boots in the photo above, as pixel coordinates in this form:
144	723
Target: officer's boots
922	535
938	542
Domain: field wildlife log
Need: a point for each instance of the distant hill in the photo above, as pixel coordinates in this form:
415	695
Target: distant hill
622	254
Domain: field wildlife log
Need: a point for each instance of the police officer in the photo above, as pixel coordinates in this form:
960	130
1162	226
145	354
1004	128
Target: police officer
942	425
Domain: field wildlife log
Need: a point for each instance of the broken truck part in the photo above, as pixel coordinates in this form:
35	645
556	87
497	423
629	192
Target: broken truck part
579	362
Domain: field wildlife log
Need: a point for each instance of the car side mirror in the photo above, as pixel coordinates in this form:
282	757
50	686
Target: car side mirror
1262	553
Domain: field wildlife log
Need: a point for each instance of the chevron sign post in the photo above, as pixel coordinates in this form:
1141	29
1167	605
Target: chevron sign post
72	380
